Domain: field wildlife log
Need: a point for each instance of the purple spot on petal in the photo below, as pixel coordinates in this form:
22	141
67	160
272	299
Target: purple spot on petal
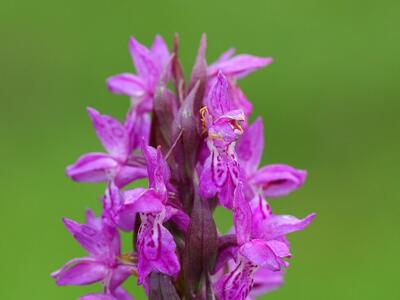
89	231
118	132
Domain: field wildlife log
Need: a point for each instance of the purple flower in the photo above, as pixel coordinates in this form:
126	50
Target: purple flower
104	264
221	169
235	68
156	248
210	159
252	256
150	65
262	243
155	244
263	279
268	226
121	207
119	164
272	180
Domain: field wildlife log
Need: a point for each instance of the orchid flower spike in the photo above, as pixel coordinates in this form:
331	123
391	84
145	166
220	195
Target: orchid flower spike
184	148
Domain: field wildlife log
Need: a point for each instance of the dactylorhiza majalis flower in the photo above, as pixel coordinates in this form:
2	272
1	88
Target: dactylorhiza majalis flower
193	143
120	163
105	262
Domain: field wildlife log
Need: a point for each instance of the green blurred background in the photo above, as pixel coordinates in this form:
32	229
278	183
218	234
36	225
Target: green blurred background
330	103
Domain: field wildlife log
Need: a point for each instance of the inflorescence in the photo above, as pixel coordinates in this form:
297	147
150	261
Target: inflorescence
192	142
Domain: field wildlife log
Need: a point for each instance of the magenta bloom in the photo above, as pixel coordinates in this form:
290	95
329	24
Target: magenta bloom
104	263
264	280
119	164
221	169
120	208
191	142
270	181
267	226
156	245
251	254
235	68
262	243
149	64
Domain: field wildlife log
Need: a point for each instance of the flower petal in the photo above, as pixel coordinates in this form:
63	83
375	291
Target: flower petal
240	65
241	216
225	194
119	275
102	243
137	123
118	294
159	51
279	248
219	169
279	225
144	63
157	168
128	174
147	202
126	84
156	248
227	251
93	221
131	196
121	294
179	217
278	180
92	167
71	263
98	296
85	271
112	204
127	216
266	281
237	283
111	133
250	147
260	210
218	101
225	56
207	187
240	100
259	253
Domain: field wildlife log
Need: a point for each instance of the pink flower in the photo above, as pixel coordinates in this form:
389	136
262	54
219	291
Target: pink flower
150	65
221	169
119	164
194	147
235	68
155	244
261	244
104	264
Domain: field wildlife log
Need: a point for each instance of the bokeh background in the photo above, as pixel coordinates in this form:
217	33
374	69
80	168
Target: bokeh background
330	103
